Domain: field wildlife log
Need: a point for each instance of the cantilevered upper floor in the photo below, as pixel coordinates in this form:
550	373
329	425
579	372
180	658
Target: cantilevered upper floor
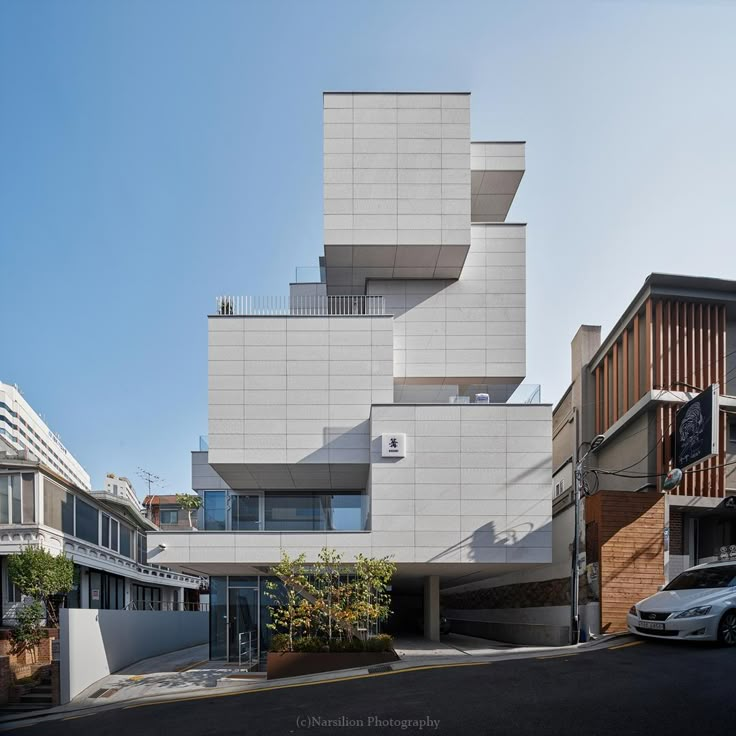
402	183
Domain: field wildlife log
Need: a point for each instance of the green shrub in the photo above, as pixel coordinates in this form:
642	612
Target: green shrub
28	632
380	643
310	644
346	645
280	643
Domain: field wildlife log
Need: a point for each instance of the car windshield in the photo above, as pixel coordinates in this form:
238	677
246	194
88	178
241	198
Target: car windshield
707	577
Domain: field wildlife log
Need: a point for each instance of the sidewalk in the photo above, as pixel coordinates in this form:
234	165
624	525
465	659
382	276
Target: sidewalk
185	675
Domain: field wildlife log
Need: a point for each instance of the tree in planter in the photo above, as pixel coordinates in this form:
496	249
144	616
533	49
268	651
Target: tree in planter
319	605
370	601
42	576
190	503
291	612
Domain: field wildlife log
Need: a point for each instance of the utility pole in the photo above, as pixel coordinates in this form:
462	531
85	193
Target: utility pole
578	489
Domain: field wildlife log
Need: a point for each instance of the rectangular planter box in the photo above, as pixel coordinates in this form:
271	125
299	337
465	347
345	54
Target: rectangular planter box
292	664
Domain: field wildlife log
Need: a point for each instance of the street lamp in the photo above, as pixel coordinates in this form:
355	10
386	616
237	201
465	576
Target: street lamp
597	441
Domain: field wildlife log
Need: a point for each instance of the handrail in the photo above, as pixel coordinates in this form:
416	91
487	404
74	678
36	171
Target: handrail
300	305
248	647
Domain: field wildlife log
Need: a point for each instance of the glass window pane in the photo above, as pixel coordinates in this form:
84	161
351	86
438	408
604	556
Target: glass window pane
214	510
169	517
29	500
4	506
246	512
347	511
86	516
125	541
292	512
58	507
15	498
218	617
105	531
114	534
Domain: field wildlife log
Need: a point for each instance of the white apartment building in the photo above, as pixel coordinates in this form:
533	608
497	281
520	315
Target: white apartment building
380	410
121	487
23	429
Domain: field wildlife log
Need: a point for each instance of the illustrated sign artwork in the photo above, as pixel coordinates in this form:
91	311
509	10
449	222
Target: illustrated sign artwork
393	445
696	429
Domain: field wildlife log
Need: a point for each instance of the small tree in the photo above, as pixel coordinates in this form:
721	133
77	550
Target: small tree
291	611
42	576
27	633
190	502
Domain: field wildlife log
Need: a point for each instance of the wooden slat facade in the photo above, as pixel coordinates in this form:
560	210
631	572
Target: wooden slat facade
683	346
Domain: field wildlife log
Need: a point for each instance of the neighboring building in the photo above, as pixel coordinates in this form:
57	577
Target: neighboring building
120	486
379	411
166	513
103	535
22	428
671	341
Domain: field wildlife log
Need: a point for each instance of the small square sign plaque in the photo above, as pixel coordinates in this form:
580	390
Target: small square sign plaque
393	445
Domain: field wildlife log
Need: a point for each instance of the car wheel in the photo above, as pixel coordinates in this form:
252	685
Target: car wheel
727	629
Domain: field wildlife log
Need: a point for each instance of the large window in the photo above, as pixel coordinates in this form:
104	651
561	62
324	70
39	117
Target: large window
58	507
316	511
86	516
17	502
214	510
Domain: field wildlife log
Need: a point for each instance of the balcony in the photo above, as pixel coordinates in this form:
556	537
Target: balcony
270	306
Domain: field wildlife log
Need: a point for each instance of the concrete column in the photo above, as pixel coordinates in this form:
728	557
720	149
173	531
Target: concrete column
432	607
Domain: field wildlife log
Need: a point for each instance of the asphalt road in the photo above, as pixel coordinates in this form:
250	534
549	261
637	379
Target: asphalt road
647	688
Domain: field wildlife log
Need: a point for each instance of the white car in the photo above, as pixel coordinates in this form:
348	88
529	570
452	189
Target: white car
699	604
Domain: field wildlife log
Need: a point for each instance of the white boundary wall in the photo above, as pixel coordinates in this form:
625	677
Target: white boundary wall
96	643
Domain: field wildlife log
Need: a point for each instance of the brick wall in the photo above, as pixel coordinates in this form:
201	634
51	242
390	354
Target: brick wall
631	531
676	543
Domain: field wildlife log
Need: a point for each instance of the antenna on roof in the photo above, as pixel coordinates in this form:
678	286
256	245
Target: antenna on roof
149	478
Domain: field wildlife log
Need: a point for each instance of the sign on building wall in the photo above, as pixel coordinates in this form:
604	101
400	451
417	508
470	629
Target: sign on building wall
393	445
696	429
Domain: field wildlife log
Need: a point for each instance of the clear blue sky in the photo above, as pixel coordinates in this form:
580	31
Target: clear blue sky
156	154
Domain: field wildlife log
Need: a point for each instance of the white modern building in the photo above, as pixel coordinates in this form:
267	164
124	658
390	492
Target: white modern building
381	409
22	428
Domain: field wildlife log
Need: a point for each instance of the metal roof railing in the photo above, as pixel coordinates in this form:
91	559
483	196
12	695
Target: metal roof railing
356	305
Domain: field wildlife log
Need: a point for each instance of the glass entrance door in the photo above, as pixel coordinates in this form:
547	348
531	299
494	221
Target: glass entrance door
246	511
243	626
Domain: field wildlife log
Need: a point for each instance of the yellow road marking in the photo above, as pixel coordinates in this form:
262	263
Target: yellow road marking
307	684
188	667
71	718
628	644
559	656
135	678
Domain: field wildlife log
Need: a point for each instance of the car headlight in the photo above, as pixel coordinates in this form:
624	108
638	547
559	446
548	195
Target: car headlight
699	611
632	610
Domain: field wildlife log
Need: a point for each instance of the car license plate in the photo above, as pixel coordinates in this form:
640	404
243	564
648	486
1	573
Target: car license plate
651	625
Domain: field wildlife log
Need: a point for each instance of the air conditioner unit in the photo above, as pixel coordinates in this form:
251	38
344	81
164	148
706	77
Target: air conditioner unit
482	399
